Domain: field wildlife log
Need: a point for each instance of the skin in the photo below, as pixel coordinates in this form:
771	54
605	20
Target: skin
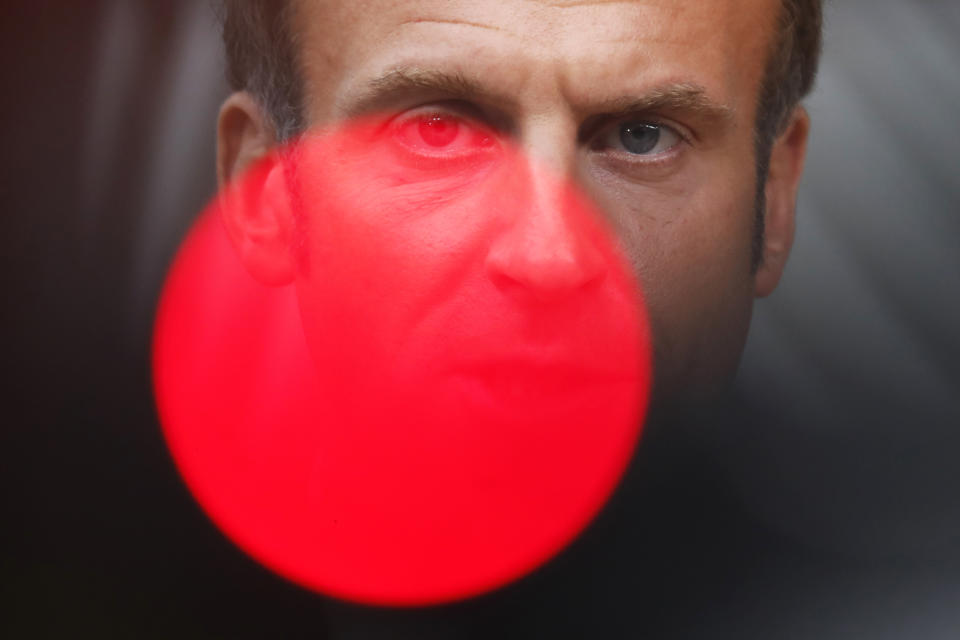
558	79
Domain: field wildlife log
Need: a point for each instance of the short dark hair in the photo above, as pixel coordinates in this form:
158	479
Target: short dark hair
792	65
790	71
261	47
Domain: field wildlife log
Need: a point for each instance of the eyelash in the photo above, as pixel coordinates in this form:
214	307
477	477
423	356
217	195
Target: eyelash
466	115
634	159
469	124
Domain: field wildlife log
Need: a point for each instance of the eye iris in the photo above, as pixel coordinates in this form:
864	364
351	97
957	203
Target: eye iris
438	131
639	137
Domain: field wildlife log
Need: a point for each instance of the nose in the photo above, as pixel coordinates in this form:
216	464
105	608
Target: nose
548	249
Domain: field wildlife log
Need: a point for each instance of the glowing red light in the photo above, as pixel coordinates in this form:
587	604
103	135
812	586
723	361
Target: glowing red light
438	131
444	396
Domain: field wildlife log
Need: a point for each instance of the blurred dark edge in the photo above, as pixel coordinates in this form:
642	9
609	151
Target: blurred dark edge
822	502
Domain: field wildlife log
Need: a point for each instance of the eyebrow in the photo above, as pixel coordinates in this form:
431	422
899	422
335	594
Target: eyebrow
687	97
400	83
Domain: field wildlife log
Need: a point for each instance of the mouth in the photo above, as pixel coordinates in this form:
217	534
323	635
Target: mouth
526	380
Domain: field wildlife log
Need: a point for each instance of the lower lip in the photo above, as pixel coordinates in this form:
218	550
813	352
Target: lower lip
539	389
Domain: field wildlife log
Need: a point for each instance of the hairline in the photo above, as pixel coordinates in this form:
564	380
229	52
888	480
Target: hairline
776	99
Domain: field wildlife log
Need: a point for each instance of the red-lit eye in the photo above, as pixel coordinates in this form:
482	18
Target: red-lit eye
438	130
439	134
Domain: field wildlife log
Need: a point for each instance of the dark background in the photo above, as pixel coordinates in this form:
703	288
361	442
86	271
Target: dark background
823	502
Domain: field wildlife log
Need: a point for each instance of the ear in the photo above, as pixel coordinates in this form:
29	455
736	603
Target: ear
254	201
783	179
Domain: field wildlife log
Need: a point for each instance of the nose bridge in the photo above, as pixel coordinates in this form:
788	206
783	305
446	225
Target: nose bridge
549	139
545	249
545	218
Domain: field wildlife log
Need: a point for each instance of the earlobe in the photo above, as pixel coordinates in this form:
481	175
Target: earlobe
783	180
257	215
253	200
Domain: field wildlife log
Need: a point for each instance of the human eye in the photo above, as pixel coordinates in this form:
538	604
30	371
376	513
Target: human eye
440	134
639	138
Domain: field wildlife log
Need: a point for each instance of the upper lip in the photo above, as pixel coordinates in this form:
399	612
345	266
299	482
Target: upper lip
572	370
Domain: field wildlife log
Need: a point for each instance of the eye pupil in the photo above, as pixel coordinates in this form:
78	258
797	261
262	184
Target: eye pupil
438	131
639	137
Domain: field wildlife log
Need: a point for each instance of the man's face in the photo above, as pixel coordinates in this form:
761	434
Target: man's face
647	107
493	208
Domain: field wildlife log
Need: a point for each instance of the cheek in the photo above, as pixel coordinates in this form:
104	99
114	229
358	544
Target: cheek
686	233
690	247
379	257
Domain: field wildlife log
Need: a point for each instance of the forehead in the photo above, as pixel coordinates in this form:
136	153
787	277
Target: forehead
537	52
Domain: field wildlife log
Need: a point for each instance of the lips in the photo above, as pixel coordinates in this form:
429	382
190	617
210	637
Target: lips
528	380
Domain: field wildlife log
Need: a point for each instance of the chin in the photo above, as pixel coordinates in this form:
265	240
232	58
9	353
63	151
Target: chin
704	377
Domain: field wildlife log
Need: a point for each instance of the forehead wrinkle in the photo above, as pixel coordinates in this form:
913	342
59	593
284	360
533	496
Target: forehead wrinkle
564	4
465	23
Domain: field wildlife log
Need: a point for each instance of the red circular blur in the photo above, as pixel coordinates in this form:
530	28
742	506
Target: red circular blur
436	408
